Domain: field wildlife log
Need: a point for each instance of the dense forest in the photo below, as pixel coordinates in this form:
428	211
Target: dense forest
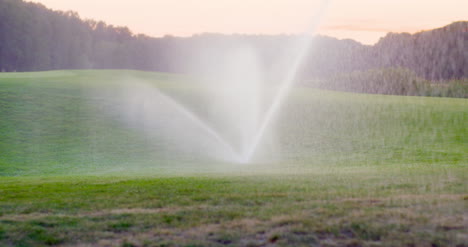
34	38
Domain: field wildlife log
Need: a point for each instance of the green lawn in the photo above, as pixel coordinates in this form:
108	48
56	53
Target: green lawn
346	170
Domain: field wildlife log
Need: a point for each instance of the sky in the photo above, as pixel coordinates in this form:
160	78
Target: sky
362	20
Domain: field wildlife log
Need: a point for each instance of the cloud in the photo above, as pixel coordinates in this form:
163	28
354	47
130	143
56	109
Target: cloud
362	26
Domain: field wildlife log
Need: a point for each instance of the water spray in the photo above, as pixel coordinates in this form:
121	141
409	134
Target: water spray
305	45
238	100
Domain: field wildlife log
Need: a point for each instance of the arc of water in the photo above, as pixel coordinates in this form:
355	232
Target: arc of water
193	118
283	90
225	145
305	45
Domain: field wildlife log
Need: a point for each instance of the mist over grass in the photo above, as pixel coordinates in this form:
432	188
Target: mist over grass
283	140
56	123
83	163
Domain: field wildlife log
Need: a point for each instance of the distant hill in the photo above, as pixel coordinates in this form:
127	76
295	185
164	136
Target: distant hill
34	38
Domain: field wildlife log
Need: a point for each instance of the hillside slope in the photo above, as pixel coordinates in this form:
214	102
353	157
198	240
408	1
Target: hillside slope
99	158
70	122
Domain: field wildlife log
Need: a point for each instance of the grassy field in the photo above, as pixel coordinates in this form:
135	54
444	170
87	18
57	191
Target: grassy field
346	170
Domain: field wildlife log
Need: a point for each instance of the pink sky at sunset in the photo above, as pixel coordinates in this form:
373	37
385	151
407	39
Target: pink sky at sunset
362	20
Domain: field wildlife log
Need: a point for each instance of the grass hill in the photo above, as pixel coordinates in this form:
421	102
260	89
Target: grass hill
348	169
53	123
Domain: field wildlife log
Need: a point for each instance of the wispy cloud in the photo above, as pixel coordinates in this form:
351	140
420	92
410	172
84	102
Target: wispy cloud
371	26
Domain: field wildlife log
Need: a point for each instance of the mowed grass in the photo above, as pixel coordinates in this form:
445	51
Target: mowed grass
346	170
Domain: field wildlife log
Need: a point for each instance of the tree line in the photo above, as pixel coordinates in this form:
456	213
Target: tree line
34	38
393	81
